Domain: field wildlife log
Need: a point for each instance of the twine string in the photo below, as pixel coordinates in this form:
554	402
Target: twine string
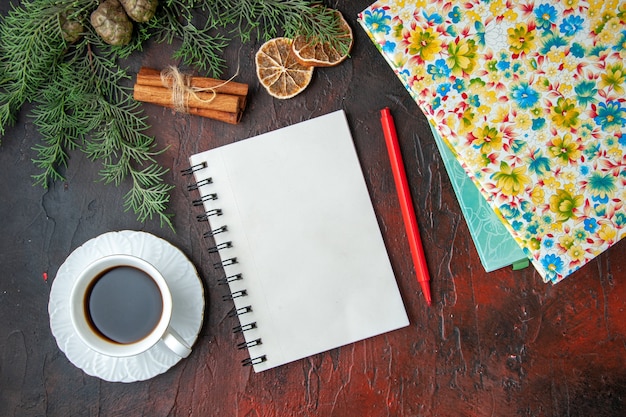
180	85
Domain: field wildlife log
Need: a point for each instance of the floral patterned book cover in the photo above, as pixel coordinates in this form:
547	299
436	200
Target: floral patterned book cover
529	95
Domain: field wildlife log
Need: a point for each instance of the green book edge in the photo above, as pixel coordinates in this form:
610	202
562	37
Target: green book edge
494	244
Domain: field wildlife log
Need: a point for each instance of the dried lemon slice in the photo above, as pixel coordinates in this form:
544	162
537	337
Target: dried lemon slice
279	71
325	54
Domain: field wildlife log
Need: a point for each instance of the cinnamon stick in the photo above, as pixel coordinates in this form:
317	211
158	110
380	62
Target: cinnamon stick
163	97
152	77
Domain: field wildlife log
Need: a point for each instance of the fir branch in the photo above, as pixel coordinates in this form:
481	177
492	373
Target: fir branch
202	50
80	101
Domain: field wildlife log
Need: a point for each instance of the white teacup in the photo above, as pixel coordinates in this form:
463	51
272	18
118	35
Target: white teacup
121	305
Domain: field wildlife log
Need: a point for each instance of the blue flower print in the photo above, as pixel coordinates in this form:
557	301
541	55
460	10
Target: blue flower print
621	42
610	114
545	16
552	263
439	69
455	14
436	103
591	225
443	89
378	21
435	18
524	96
571	25
586	92
503	65
538	123
459	85
577	50
474	100
389	47
552	41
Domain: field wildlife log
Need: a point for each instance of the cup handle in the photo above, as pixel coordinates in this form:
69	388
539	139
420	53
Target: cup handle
176	343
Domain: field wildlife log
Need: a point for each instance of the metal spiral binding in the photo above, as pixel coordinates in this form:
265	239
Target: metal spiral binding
226	262
219	247
204	217
199	184
235	294
214	232
244	327
235	312
244	345
204	198
194	168
228	279
253	361
239	311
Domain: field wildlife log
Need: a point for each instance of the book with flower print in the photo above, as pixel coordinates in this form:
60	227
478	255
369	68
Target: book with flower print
529	95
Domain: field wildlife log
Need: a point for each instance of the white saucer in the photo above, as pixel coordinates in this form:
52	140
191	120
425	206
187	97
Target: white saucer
187	315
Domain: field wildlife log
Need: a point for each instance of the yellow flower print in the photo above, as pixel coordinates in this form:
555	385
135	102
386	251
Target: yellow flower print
615	153
569	176
607	233
564	203
424	43
484	110
536	111
565	89
502	113
488	138
510	14
570	4
564	149
566	113
566	241
497	7
610	32
542	84
570	187
551	183
418	71
490	97
577	253
399	59
538	195
523	121
462	56
534	244
521	40
512	181
466	121
556	227
552	71
613	77
556	55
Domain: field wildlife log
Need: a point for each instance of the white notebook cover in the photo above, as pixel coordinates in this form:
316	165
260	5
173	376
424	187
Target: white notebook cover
306	240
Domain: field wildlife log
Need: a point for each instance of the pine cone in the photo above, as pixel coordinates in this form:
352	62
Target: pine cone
140	10
111	23
70	28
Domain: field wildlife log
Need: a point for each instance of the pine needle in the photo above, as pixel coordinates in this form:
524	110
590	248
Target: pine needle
78	92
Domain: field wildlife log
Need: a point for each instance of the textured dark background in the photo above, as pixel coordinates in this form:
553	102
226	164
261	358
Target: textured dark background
498	344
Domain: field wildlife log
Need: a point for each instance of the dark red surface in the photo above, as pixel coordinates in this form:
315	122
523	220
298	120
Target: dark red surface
497	344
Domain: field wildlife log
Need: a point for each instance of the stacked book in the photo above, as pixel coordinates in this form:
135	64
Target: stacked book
528	99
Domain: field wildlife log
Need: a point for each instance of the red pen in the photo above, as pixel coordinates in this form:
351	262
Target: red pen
406	204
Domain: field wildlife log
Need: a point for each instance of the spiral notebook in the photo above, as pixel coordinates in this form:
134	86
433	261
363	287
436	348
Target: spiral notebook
298	240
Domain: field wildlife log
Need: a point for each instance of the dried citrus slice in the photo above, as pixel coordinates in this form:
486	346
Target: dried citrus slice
325	54
279	71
